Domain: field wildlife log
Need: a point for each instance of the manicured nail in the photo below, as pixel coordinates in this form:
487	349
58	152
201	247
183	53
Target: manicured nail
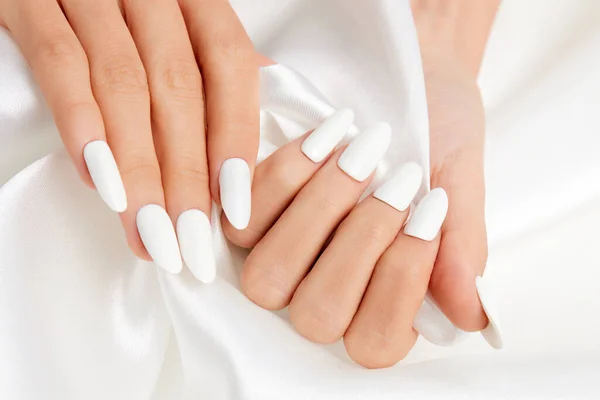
400	189
362	155
158	235
428	217
324	138
195	242
433	325
105	174
492	333
234	180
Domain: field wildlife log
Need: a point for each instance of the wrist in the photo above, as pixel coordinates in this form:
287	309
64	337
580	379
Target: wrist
453	31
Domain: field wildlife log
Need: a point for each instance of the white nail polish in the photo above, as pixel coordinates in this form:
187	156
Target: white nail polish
433	325
234	180
400	189
158	235
105	174
362	155
195	242
428	217
491	333
326	136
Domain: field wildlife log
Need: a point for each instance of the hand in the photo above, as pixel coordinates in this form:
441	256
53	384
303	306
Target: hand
131	81
367	284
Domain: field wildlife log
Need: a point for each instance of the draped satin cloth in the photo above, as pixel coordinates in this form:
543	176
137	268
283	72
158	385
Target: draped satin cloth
82	318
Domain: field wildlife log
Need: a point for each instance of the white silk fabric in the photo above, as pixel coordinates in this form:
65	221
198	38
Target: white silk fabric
81	318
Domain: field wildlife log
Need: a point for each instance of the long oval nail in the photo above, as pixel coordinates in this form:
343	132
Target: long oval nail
158	235
428	217
235	183
492	332
400	189
326	136
105	174
195	242
433	325
362	155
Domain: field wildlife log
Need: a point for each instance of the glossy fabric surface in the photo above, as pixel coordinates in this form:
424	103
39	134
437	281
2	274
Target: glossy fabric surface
80	317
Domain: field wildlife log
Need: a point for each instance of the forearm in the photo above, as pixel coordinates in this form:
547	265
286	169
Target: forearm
455	28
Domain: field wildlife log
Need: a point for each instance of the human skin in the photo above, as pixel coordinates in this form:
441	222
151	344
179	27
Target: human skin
373	309
129	75
167	88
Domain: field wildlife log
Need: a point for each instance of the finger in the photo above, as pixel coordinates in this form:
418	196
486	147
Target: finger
381	333
61	68
281	176
281	259
178	125
463	250
120	86
327	299
230	73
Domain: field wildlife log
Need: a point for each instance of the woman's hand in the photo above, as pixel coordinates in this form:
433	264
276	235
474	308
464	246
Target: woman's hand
356	272
131	81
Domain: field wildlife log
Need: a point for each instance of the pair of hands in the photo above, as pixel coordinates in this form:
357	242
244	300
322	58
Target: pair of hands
157	104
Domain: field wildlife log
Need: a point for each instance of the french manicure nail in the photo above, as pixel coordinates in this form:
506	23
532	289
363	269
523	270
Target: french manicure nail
362	155
326	136
428	217
158	235
433	325
492	332
195	242
105	174
401	188
234	180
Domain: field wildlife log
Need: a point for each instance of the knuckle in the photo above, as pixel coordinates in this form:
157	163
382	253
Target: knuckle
372	348
264	285
139	168
234	45
189	170
326	205
372	232
181	78
283	172
59	50
124	75
320	323
69	108
402	269
77	106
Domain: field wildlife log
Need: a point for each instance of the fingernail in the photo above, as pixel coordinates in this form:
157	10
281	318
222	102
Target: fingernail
492	333
433	325
195	242
326	136
105	174
362	155
158	235
401	188
234	180
428	217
